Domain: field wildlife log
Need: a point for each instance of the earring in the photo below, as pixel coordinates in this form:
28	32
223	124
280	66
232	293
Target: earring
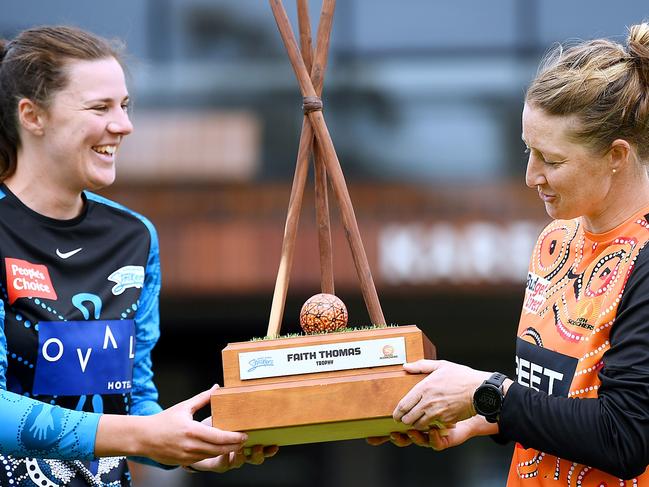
614	171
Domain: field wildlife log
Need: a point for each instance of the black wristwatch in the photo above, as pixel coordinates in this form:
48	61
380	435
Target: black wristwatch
489	396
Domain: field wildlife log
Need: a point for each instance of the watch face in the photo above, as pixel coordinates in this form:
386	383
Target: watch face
488	400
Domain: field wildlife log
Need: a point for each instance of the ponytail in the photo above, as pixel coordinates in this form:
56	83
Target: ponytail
638	49
7	144
4	47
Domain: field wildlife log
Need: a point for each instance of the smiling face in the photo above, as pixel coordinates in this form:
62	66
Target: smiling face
85	124
571	180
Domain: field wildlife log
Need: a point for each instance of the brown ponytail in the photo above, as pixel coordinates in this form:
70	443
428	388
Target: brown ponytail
33	66
7	146
3	48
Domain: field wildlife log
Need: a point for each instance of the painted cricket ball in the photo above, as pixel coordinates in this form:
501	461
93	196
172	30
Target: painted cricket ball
323	313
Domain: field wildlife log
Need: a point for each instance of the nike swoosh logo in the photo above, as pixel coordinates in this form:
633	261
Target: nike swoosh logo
66	255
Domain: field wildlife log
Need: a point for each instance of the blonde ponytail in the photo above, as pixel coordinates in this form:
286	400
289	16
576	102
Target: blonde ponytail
604	84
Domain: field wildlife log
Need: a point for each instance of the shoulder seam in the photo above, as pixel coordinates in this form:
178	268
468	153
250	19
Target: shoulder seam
117	206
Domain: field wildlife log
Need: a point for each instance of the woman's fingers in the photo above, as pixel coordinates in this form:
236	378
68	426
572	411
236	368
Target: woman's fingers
229	439
377	440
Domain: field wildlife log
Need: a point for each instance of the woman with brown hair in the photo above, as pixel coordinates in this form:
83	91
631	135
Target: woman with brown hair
79	282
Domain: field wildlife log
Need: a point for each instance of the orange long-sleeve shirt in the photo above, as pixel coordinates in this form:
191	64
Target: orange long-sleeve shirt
580	409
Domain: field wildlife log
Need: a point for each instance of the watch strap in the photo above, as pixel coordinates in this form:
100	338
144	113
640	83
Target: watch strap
497	379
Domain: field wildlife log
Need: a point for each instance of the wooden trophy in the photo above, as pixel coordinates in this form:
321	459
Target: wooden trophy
330	386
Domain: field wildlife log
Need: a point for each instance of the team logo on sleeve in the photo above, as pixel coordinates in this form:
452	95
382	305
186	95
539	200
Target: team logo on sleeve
544	370
126	277
27	280
535	292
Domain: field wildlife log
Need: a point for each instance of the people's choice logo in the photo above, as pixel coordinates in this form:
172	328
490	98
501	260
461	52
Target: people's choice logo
25	279
127	277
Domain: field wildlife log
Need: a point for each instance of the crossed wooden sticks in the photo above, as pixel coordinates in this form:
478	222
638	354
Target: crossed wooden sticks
326	163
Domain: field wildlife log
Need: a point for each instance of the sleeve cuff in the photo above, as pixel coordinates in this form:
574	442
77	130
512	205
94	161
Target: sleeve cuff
509	413
86	433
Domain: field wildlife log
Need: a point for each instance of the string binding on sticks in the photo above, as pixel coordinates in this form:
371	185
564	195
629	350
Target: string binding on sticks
311	104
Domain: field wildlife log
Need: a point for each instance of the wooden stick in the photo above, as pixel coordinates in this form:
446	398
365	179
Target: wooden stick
290	230
286	31
324	223
323	220
322	45
299	178
304	24
333	167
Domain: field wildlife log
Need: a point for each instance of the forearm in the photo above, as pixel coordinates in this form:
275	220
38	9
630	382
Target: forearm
593	432
119	435
129	436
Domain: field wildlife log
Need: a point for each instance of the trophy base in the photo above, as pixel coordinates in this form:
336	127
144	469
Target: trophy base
323	432
317	407
315	410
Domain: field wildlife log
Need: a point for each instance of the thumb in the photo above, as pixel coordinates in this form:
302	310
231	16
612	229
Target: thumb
422	366
201	400
438	440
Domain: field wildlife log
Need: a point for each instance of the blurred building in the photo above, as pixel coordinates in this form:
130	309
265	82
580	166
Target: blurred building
423	102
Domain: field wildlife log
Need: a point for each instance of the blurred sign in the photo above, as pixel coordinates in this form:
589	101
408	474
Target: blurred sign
457	253
191	146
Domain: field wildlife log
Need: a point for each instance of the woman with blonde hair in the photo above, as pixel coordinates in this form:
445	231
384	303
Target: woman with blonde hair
578	408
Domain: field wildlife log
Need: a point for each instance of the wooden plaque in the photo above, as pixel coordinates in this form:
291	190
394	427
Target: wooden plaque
319	406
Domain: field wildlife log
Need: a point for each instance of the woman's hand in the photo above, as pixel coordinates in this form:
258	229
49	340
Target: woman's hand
400	439
171	437
440	438
445	396
254	455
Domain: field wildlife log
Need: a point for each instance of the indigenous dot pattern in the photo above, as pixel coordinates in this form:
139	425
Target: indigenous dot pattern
586	274
31	472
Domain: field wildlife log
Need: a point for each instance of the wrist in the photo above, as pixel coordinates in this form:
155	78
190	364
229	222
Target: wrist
143	436
119	435
508	382
478	380
479	426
